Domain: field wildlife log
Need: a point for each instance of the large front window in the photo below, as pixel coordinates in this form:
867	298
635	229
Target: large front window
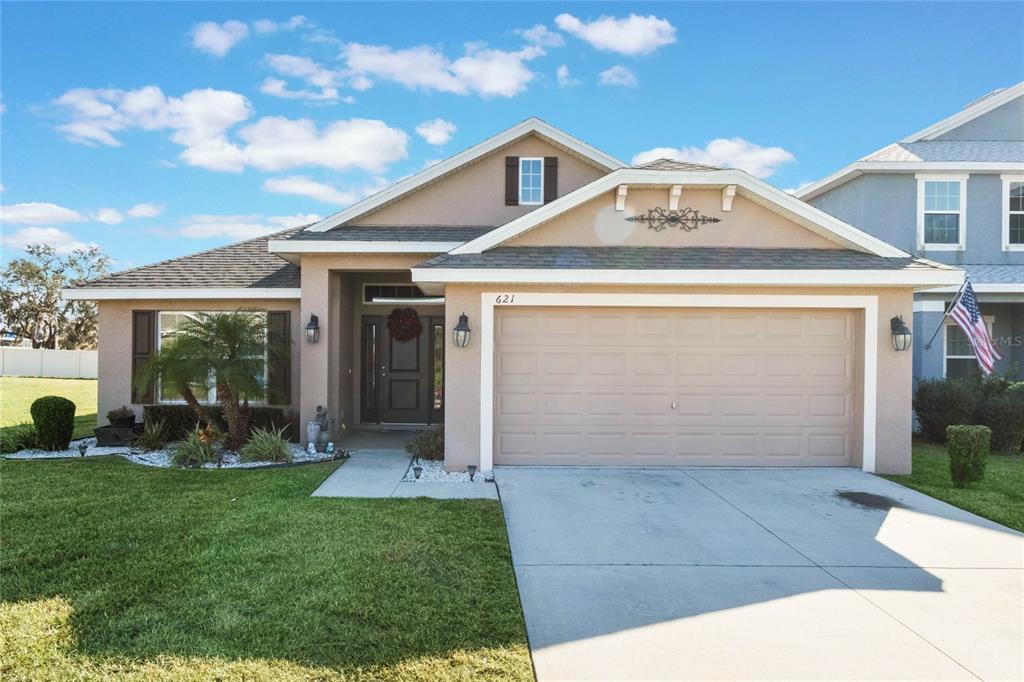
941	212
960	360
1013	212
168	325
531	181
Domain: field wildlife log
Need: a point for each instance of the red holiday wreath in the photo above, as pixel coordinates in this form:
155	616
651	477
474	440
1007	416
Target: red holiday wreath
404	324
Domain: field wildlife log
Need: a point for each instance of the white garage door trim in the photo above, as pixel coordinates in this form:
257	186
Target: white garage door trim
488	301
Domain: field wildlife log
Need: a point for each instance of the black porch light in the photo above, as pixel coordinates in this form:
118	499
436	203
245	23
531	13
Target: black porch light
461	333
902	337
313	329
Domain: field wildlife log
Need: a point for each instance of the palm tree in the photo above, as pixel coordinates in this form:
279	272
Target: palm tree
228	348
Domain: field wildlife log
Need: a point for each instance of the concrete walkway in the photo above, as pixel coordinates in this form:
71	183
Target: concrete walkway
823	574
379	473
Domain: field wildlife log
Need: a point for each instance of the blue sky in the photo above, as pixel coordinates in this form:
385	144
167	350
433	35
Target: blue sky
159	129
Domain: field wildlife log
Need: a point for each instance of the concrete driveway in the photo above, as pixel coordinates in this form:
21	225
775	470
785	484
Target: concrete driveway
758	574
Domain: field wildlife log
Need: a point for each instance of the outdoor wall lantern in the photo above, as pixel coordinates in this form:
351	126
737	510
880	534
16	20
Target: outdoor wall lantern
460	335
902	338
313	329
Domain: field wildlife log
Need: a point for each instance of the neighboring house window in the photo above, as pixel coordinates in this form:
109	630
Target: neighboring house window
960	362
531	181
941	201
1013	212
167	326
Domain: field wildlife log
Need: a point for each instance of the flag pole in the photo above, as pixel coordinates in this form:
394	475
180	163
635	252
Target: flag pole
945	314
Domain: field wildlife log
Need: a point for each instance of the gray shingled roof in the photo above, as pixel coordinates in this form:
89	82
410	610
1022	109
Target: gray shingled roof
397	233
995	274
951	150
689	258
675	165
245	264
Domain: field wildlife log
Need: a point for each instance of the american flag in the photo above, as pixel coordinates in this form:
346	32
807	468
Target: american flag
967	314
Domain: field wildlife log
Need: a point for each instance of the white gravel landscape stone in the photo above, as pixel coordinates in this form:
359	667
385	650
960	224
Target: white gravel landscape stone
159	458
434	472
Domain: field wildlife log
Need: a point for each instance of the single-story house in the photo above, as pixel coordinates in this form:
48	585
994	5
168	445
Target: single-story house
663	314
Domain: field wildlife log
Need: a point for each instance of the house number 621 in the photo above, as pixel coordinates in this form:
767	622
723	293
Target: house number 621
505	298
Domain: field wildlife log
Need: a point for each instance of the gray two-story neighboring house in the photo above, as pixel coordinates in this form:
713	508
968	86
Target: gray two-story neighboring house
953	193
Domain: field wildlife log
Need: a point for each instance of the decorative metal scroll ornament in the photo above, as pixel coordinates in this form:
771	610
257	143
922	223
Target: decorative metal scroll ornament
687	219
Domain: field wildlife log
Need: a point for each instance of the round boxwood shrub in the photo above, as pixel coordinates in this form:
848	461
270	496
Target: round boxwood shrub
968	448
54	419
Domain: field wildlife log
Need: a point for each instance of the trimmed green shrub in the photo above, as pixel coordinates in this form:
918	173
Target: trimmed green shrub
18	437
180	419
428	444
940	403
54	419
266	445
121	417
153	436
968	448
1004	413
196	450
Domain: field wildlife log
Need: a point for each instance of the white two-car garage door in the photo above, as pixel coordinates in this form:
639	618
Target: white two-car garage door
685	386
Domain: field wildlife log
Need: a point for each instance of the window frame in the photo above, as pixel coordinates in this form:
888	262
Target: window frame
211	393
426	299
990	322
539	160
1005	212
961	243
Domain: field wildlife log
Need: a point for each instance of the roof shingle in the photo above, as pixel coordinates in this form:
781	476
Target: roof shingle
665	164
951	150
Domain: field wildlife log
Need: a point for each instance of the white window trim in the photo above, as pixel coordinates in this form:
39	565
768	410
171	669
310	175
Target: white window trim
490	300
962	231
211	398
523	159
1007	179
990	322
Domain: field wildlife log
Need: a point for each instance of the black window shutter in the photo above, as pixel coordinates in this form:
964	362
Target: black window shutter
279	369
511	180
143	347
550	178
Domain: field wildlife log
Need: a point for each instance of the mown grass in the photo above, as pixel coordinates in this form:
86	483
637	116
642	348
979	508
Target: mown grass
113	570
999	496
18	393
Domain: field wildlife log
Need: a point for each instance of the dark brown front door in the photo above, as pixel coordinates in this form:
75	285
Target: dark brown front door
399	377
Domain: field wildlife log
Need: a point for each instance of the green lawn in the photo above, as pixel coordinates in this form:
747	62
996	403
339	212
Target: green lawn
112	569
17	394
999	496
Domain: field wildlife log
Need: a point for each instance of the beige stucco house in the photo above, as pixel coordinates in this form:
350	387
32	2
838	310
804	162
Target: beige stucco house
666	314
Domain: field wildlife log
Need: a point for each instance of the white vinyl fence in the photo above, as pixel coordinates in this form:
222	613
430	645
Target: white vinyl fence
43	362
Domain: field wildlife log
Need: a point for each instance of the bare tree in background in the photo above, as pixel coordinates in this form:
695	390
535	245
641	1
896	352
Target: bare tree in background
30	302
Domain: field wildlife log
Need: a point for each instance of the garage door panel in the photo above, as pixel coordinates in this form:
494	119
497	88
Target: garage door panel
678	386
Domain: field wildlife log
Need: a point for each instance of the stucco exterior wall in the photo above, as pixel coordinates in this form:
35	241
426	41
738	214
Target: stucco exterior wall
462	387
597	223
1002	123
475	195
1007	331
115	343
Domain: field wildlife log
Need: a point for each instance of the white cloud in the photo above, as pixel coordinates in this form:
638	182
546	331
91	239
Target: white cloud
619	75
275	143
218	39
734	152
265	26
324	80
200	120
481	70
633	35
245	226
541	35
303	186
145	210
61	241
109	216
38	213
437	131
565	79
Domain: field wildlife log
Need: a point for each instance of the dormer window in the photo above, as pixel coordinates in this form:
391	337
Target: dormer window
531	181
941	203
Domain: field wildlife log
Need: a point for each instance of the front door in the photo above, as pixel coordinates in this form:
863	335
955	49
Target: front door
402	381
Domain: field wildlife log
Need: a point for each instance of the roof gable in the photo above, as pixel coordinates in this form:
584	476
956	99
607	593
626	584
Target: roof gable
531	126
736	181
972	111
